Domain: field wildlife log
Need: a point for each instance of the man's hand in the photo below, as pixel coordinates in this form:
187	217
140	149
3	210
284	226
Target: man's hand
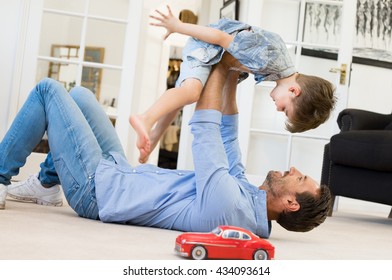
169	21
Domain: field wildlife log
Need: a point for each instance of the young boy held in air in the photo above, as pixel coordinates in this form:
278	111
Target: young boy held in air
306	100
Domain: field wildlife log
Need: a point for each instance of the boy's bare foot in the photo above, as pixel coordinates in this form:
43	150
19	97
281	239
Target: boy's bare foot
154	139
143	140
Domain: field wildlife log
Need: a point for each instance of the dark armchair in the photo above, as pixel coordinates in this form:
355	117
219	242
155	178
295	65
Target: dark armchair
358	161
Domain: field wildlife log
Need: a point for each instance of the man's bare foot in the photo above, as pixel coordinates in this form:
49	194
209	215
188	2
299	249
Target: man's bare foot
143	140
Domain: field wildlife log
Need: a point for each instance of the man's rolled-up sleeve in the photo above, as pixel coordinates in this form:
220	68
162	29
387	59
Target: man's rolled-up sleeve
207	147
209	155
229	133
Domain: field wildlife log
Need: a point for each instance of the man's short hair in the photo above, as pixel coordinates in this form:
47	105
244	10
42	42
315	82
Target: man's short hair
312	212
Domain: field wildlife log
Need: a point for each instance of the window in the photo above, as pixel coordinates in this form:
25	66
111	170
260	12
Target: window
231	234
82	43
245	236
217	231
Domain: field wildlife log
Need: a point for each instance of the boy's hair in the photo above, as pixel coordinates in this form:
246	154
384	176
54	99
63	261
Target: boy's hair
314	105
312	212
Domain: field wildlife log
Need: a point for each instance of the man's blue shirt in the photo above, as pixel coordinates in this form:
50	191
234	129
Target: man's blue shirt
215	193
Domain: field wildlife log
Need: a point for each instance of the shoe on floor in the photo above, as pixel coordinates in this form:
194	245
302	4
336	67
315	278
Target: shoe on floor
3	195
31	190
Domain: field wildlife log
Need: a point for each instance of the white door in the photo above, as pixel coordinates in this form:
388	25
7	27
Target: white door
314	31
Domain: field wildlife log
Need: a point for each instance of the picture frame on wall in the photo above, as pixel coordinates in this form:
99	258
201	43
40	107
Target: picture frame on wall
371	41
229	9
65	72
321	26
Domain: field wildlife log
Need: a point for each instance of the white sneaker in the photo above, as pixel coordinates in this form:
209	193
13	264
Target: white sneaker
31	190
3	195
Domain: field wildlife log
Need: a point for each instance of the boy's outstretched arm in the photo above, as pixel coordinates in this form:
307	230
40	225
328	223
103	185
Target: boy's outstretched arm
207	34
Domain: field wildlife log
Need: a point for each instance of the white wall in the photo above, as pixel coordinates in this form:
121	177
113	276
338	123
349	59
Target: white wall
370	89
10	13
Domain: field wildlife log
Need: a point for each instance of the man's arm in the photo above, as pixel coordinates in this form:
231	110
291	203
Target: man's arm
207	34
229	126
229	94
218	195
219	93
209	156
211	96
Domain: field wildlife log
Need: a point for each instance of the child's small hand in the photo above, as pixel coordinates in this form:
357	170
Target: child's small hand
168	21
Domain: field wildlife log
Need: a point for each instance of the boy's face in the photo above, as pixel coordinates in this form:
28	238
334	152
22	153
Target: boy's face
283	98
284	93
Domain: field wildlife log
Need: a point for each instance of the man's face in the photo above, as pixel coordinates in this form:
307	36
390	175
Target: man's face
293	181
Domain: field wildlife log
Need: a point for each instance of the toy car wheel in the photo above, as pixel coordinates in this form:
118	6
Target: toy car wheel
199	253
260	255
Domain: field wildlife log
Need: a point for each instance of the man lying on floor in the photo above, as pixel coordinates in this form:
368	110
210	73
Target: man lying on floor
86	157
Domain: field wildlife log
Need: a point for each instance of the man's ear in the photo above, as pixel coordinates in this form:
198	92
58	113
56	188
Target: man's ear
290	203
295	90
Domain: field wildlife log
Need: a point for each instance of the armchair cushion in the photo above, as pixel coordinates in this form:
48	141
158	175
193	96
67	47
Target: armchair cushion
369	149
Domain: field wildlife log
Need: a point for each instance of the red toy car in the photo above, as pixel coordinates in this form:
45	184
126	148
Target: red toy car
224	242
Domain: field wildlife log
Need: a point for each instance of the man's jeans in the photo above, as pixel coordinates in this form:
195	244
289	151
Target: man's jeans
79	135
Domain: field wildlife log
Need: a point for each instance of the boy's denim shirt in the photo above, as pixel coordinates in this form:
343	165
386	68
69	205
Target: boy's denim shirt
263	52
